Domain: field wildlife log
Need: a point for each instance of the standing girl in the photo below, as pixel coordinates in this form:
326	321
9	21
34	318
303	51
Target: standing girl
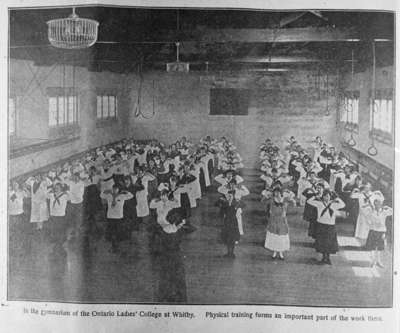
115	214
230	229
377	231
277	237
16	196
39	209
142	207
58	224
325	228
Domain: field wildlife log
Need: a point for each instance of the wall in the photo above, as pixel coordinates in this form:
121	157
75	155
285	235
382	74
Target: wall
281	105
362	82
28	84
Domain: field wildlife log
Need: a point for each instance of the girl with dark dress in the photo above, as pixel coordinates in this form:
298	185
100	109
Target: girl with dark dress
325	228
172	283
230	229
153	183
352	204
184	180
92	201
310	213
130	214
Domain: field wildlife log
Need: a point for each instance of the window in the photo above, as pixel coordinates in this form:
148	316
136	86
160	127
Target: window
106	106
12	117
349	114
381	114
63	107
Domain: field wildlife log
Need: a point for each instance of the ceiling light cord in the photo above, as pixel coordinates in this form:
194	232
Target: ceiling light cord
372	150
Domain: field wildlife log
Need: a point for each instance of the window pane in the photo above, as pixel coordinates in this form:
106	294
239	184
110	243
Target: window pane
111	101
71	113
76	114
356	111
99	116
105	107
11	116
344	110
60	110
351	110
53	111
390	115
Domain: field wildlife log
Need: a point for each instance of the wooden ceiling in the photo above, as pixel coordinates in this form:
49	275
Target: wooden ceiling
212	39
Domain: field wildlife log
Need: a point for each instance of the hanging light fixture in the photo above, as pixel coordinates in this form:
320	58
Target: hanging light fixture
72	32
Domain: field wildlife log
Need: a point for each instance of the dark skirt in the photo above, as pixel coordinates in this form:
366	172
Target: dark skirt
375	241
58	229
202	181
74	214
117	230
230	233
310	215
353	208
92	201
185	206
326	238
172	285
325	174
210	168
130	215
152	189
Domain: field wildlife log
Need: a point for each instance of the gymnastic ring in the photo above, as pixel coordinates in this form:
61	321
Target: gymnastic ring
372	151
351	142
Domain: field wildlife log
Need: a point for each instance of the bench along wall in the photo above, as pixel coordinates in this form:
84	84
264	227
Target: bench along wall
280	105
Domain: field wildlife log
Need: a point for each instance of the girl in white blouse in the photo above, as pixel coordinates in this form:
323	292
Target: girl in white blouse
325	228
38	192
115	214
377	230
16	196
58	204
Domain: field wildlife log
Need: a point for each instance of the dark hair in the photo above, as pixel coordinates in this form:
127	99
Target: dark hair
164	192
276	189
327	191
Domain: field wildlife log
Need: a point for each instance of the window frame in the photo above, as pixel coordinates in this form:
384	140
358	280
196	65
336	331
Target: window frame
108	102
63	98
376	132
349	125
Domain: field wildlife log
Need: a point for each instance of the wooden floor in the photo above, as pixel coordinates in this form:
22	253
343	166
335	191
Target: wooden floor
97	276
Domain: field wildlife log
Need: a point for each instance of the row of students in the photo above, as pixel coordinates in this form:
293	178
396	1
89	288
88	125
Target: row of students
75	189
322	205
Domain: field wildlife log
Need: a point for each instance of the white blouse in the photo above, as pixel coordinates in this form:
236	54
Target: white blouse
327	213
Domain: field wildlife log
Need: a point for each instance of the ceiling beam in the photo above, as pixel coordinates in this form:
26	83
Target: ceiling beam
290	18
308	34
279	35
279	59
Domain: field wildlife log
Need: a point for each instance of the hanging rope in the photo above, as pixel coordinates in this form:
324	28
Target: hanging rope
138	109
372	150
351	142
327	112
